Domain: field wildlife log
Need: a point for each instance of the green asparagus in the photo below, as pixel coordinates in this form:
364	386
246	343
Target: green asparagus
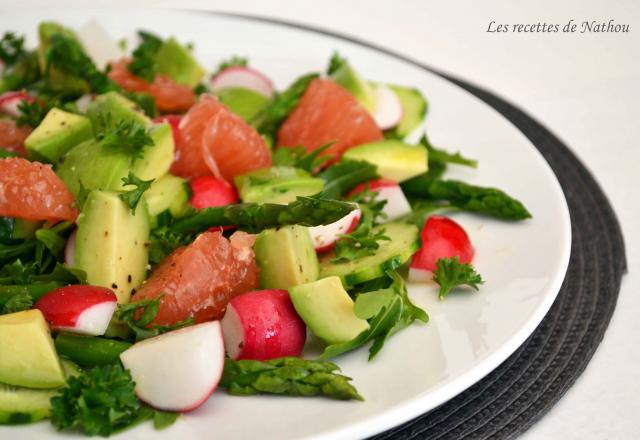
88	350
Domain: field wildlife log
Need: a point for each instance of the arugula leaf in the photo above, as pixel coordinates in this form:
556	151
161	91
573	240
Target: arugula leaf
132	197
234	61
342	177
388	310
444	157
335	63
139	316
11	48
298	157
129	136
143	63
450	273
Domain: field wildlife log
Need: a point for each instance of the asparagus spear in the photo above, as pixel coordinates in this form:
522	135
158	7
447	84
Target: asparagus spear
305	211
89	350
288	376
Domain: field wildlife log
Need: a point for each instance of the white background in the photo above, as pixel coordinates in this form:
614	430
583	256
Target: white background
584	87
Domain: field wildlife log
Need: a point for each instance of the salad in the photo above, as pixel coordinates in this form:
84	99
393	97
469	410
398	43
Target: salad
167	233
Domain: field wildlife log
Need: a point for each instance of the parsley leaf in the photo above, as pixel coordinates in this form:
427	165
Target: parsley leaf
234	61
450	273
298	157
132	197
11	48
17	303
335	63
139	317
143	63
130	136
31	113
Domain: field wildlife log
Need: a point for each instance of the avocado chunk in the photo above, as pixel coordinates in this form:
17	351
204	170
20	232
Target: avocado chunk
243	102
395	160
29	358
347	77
286	257
24	405
93	165
279	185
327	309
58	132
112	108
178	62
169	192
414	110
58	80
112	243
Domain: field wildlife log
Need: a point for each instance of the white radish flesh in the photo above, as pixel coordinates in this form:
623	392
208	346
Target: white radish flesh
325	236
388	111
242	77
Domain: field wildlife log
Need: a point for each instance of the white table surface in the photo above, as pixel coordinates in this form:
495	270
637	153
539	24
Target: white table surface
584	87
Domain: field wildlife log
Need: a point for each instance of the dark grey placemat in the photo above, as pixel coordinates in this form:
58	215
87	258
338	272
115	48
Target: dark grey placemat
525	386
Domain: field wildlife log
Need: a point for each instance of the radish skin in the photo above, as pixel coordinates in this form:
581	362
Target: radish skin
242	77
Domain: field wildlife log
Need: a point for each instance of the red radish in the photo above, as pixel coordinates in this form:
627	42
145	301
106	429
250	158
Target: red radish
441	238
174	122
178	370
210	191
9	102
244	77
397	204
82	103
70	250
262	325
324	237
388	111
78	309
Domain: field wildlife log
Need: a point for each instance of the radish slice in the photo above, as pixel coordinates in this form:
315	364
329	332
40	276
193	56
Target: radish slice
441	238
10	101
70	250
82	103
178	370
388	112
397	204
262	325
210	191
79	309
243	77
324	237
98	44
417	275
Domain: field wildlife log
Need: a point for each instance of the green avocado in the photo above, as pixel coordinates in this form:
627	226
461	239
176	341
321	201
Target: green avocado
244	102
157	158
25	405
168	192
414	110
58	80
58	132
277	185
348	78
327	309
29	358
177	61
112	108
395	159
112	243
286	257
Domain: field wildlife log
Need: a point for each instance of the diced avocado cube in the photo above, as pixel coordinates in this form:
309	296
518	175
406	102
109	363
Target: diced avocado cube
286	257
157	158
112	107
168	192
395	160
178	62
347	77
244	102
414	110
327	309
29	358
112	243
58	132
277	185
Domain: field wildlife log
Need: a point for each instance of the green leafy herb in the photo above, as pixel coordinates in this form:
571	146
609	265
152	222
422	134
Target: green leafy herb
67	54
164	419
140	315
144	101
450	273
129	136
335	63
17	303
31	113
143	63
97	402
388	311
298	157
163	241
290	376
342	177
11	48
200	89
132	197
234	61
444	157
269	119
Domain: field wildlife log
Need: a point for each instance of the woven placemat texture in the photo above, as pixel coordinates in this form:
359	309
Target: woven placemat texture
525	387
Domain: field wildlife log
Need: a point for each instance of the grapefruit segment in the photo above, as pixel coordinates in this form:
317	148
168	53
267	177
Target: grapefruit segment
12	137
199	280
32	191
327	113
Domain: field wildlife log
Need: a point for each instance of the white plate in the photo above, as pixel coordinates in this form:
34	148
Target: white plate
469	334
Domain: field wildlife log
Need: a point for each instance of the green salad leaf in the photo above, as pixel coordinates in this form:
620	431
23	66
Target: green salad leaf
138	316
143	62
450	273
132	197
233	61
11	48
342	177
31	113
129	136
